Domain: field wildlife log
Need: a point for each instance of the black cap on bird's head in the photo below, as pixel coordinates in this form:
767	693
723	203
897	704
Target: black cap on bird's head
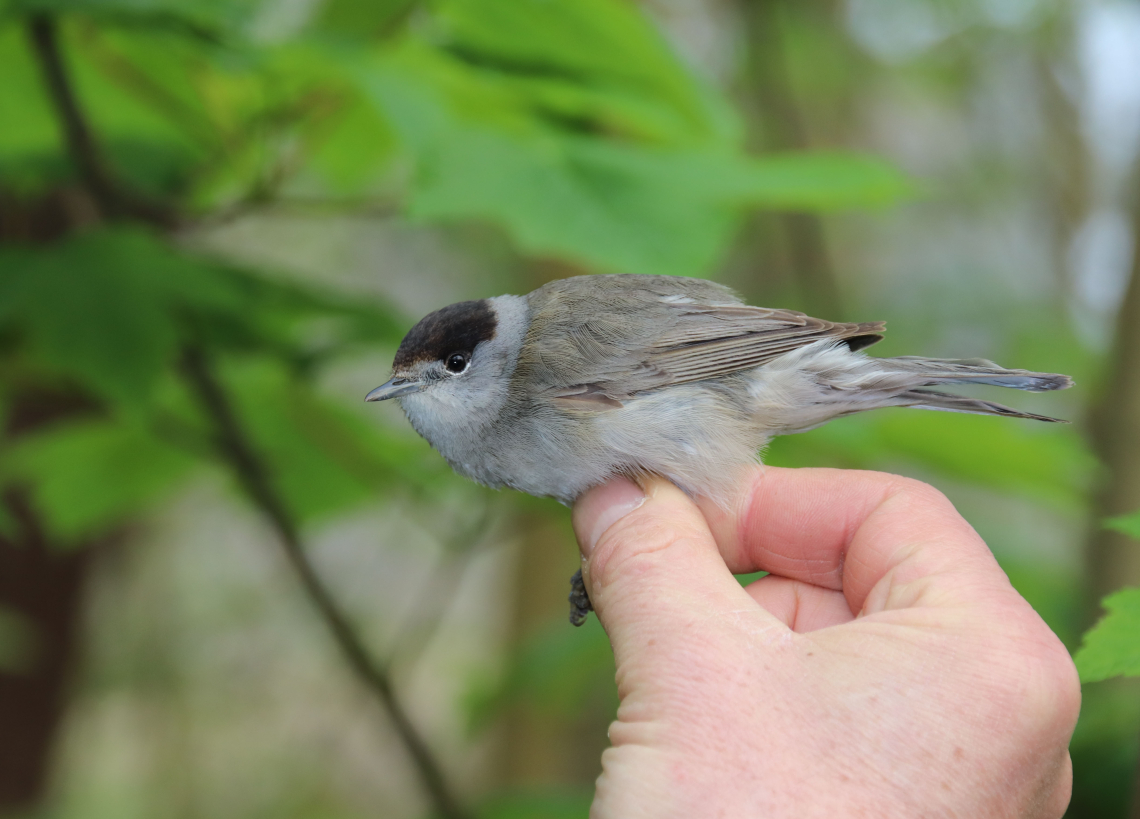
455	328
449	336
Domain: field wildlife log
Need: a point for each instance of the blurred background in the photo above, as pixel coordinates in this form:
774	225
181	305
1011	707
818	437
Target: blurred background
229	588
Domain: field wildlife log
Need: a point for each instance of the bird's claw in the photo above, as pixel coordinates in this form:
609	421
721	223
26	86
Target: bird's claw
580	605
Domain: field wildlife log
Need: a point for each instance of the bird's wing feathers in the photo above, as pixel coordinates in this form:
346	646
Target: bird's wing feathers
606	338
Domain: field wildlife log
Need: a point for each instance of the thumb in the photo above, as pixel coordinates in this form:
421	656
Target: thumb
653	571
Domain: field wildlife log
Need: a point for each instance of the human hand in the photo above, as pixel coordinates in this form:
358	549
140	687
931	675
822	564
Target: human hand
885	667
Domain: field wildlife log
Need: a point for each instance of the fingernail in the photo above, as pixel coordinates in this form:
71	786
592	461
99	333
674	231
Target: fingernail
601	508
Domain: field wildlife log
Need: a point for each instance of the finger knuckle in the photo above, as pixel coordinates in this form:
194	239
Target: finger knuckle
1054	689
915	491
1040	687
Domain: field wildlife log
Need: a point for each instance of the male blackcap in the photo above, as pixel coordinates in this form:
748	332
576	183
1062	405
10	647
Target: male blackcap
596	376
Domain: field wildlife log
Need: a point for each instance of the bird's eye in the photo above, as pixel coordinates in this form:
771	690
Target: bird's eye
457	362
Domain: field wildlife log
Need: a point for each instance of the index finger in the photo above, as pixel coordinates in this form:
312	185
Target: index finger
848	530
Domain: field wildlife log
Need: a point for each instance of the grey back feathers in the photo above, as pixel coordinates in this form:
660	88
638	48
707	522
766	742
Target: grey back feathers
595	376
615	336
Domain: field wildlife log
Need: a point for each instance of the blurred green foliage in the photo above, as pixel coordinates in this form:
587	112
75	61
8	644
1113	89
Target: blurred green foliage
108	313
1112	647
90	476
1127	524
530	114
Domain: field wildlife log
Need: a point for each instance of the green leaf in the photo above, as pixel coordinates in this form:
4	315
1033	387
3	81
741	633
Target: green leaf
104	306
94	307
1112	647
620	165
1127	524
110	308
577	58
88	477
605	206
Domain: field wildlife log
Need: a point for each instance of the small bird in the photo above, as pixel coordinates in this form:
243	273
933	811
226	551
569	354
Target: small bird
591	377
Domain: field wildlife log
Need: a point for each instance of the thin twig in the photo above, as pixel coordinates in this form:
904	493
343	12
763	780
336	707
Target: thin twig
785	129
112	199
459	550
80	143
146	89
235	447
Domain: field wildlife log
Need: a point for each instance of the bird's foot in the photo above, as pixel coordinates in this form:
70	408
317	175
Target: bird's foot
580	605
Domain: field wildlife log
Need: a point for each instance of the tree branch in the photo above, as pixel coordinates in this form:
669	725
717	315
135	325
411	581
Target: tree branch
460	549
80	143
236	449
783	128
1111	558
111	199
146	89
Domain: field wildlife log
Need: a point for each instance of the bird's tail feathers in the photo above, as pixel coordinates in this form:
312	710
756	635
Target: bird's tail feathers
945	402
977	371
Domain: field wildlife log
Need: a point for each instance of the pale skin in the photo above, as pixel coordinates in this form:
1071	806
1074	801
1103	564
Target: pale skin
885	668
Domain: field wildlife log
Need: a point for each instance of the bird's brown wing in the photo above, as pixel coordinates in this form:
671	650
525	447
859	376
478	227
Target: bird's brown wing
715	341
595	341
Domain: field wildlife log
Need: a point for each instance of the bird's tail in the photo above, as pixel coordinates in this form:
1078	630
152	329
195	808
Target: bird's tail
933	371
929	399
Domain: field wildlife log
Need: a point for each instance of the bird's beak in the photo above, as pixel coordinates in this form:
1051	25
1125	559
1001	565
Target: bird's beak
394	388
